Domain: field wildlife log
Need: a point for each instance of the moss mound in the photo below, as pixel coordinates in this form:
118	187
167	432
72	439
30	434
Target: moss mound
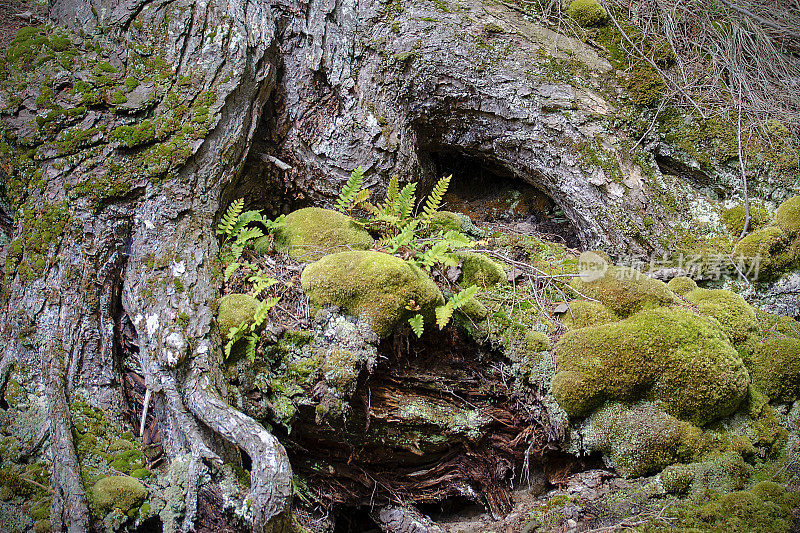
681	285
380	288
770	248
235	309
787	217
587	13
477	269
736	317
445	221
121	492
583	313
680	360
775	368
536	341
642	439
310	233
626	290
734	218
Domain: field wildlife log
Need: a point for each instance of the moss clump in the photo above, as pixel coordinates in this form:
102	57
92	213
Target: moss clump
311	233
769	249
536	341
587	13
764	508
583	313
445	221
477	269
734	218
677	479
380	288
736	317
681	285
626	290
120	492
235	309
642	439
787	217
775	368
672	356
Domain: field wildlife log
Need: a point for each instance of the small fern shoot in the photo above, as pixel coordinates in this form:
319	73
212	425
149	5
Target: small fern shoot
445	312
434	199
228	223
417	324
350	190
406	200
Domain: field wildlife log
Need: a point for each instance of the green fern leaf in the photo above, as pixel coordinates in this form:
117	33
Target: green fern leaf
443	315
350	189
252	344
406	200
457	240
434	199
230	269
390	206
417	324
228	222
463	296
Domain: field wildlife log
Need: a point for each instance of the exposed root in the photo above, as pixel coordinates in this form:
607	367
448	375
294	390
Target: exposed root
404	519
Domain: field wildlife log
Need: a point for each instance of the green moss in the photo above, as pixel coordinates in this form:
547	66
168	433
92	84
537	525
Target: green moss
734	218
120	492
677	479
138	135
536	341
445	221
311	233
681	285
43	526
761	509
775	368
234	310
583	313
141	473
736	317
478	269
626	290
787	217
587	13
378	287
672	356
642	439
769	249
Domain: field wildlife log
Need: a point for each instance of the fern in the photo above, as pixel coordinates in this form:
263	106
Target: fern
434	199
445	312
417	324
353	186
228	222
250	331
390	205
437	254
405	201
404	238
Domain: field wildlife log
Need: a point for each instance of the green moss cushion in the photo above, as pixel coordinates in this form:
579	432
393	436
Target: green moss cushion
310	233
737	318
626	290
674	357
787	217
734	218
480	270
587	13
775	368
375	286
681	285
772	246
584	313
121	492
235	309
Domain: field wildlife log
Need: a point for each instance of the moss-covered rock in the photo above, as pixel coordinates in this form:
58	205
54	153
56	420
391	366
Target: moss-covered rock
775	368
763	508
310	233
480	270
583	313
626	290
120	492
734	218
680	360
769	248
787	217
536	341
587	13
380	288
235	309
736	317
681	285
445	221
641	439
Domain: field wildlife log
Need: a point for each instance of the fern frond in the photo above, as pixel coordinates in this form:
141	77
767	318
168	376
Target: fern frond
273	224
229	219
405	237
417	324
361	197
350	189
443	315
390	205
457	240
230	269
437	254
406	200
463	296
252	343
434	199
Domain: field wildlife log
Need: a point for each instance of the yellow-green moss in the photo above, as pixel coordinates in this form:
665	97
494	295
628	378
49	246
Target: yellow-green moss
311	233
626	290
775	368
736	317
235	309
770	248
583	313
536	341
120	492
787	217
380	288
480	270
734	218
681	285
445	221
641	439
587	13
672	356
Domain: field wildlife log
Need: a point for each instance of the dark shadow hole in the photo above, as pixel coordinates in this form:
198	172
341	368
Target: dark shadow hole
355	520
247	463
